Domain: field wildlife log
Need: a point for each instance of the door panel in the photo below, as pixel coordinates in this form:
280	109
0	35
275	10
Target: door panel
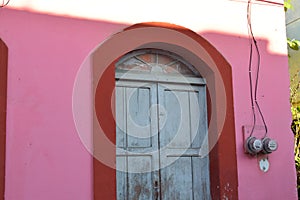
137	158
171	115
182	122
135	185
138	117
161	128
177	179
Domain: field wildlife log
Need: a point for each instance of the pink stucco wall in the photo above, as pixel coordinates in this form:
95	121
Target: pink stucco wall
46	158
273	96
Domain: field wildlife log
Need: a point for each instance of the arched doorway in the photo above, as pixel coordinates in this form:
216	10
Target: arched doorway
161	116
214	68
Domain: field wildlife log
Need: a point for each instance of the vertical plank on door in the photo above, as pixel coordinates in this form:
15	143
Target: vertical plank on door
121	142
120	117
201	182
122	185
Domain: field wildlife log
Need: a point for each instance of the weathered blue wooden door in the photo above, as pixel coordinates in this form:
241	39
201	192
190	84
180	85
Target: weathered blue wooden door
161	134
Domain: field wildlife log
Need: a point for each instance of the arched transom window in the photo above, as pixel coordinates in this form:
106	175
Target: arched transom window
154	61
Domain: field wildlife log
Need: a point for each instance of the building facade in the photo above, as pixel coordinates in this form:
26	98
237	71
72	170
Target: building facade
123	100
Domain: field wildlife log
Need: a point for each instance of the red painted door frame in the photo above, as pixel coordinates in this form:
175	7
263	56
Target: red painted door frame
223	162
3	99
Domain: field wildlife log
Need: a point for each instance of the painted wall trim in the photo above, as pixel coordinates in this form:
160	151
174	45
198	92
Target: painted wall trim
217	71
3	101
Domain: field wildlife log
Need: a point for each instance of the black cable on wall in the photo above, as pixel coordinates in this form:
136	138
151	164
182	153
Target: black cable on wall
253	89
